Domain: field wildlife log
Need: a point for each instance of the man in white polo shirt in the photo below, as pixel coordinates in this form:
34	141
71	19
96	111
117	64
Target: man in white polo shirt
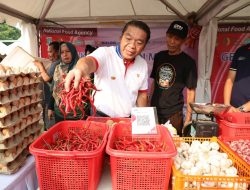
121	74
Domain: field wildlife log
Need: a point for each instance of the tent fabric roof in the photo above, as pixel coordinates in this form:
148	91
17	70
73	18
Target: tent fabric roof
96	11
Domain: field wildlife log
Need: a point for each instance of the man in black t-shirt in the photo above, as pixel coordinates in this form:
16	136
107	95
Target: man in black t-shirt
173	70
237	85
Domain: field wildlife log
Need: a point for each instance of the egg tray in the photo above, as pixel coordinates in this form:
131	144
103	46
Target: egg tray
15	165
7	71
16	94
11	77
10	155
18	138
6	133
14	117
9	108
7	85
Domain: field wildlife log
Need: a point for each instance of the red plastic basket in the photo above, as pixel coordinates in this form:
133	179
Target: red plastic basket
235	117
105	119
63	170
140	170
228	129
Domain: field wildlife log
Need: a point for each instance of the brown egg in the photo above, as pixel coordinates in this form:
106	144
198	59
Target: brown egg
4	84
2	68
19	80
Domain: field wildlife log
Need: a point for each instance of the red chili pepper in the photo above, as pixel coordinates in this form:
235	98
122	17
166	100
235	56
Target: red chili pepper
77	98
142	145
82	140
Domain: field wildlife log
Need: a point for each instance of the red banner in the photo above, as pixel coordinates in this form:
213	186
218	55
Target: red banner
69	31
98	37
78	36
229	38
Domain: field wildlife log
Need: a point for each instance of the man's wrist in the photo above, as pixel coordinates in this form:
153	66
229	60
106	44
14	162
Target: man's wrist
242	108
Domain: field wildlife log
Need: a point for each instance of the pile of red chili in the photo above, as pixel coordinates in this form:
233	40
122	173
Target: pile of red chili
77	98
139	145
80	140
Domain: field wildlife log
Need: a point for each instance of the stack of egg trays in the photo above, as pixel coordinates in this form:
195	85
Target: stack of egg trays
20	112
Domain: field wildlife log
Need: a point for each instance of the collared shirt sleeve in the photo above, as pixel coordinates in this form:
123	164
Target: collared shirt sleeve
100	56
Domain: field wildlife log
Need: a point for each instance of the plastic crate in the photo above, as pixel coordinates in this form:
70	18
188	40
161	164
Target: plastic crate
227	129
235	117
140	170
105	119
226	140
64	170
183	182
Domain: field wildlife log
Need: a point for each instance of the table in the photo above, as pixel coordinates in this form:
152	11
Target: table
105	181
24	179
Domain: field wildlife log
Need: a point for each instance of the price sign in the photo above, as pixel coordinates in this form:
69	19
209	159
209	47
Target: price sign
144	120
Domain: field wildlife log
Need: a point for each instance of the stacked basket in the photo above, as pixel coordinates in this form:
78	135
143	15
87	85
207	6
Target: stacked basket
140	170
186	181
235	133
65	170
20	112
234	124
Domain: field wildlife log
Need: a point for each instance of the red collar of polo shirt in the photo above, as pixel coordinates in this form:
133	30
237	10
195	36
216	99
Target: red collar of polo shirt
127	63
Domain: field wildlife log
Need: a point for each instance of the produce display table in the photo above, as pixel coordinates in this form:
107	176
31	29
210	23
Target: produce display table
105	181
24	179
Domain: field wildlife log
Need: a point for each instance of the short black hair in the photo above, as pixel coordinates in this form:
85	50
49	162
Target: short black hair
56	45
89	49
139	24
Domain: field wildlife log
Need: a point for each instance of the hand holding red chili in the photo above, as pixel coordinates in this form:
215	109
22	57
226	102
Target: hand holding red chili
77	98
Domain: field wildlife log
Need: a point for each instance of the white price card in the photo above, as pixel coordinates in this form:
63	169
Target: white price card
144	120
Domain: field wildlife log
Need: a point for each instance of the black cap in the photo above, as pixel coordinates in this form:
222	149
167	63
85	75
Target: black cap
179	29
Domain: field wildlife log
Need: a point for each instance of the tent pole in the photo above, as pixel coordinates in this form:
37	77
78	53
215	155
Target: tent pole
206	7
41	20
172	8
234	11
17	14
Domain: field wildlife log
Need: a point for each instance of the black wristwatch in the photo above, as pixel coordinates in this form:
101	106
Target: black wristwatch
242	109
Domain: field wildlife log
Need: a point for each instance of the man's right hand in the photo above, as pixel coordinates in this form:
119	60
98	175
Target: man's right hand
83	68
233	109
76	75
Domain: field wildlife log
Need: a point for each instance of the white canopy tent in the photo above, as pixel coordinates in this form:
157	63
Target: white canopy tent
99	11
29	15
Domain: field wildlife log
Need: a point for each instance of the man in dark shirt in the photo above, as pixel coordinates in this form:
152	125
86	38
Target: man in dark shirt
173	70
237	85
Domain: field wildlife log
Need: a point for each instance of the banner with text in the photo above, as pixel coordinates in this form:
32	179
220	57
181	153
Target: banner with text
98	37
229	38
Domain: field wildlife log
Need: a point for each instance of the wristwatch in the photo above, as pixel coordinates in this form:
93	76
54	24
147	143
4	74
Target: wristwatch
242	109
